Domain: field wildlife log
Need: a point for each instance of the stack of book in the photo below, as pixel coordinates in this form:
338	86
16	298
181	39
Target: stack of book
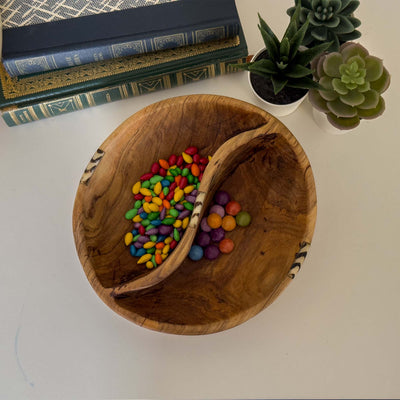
57	58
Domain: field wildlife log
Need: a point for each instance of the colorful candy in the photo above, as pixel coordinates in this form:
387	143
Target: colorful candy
163	203
243	218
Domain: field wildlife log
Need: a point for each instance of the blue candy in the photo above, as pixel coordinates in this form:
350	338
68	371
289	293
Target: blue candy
156	222
161	238
196	253
143	215
141	252
132	250
165	182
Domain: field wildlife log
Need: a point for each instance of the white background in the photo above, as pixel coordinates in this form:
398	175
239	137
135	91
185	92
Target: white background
334	332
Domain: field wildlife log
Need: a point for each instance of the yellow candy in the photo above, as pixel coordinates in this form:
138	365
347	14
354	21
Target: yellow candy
146	208
157	200
188	158
209	158
128	238
178	195
149	245
157	188
178	223
149	265
153	207
145	192
185	222
165	249
158	251
137	218
164	256
188	189
136	187
144	258
168	240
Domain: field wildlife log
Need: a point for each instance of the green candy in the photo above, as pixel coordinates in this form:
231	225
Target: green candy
196	179
172	202
190	178
152	250
131	213
188	205
145	222
153	215
153	238
153	259
138	204
178	170
146	184
185	171
165	190
176	235
168	221
174	172
243	218
172	212
170	178
155	179
148	227
135	238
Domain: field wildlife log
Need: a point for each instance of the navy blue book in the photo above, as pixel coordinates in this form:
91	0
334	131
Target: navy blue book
76	41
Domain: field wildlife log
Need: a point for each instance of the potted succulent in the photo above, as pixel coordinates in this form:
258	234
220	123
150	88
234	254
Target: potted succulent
329	21
279	74
352	82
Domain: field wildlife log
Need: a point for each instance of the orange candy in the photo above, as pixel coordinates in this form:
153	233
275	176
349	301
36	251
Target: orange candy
233	208
228	223
163	163
214	221
226	245
195	170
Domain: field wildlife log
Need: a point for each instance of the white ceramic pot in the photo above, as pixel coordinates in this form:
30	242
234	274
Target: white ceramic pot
321	120
279	110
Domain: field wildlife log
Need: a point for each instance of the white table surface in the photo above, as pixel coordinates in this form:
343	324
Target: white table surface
334	332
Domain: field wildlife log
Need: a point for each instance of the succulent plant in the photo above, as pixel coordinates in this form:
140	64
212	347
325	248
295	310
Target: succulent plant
286	65
330	20
352	82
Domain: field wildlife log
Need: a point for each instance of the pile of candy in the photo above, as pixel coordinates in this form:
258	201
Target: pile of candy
164	200
222	217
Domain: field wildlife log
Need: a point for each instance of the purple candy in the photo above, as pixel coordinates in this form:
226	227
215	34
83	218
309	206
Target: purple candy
184	214
162	213
143	239
194	192
136	225
179	207
140	210
203	239
217	209
165	229
211	252
222	198
138	245
204	226
217	234
190	198
152	231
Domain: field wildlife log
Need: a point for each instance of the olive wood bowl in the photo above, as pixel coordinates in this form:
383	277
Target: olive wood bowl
255	158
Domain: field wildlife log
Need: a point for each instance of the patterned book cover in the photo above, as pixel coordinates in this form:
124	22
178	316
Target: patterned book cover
16	116
49	85
101	36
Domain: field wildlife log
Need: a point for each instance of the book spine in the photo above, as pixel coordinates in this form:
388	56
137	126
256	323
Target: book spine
25	65
46	109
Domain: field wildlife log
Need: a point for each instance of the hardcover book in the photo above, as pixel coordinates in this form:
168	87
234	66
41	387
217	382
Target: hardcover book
49	85
101	36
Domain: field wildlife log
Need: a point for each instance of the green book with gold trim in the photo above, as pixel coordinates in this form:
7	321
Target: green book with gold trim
18	91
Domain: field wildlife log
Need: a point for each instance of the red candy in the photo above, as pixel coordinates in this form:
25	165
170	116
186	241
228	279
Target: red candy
183	182
138	196
200	176
191	150
204	160
173	244
170	195
162	172
233	208
202	167
179	161
146	177
172	159
155	168
196	158
142	230
172	186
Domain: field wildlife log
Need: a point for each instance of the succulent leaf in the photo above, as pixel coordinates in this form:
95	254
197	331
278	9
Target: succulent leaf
317	101
298	71
352	6
306	56
292	27
374	67
382	83
284	47
339	87
269	43
371	100
331	64
340	109
353	98
304	83
278	83
267	29
320	33
372	113
343	123
353	49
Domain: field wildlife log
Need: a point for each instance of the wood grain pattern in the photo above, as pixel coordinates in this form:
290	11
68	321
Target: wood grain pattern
271	177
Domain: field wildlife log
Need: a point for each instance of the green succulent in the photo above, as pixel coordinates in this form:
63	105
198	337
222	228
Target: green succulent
286	65
352	82
330	20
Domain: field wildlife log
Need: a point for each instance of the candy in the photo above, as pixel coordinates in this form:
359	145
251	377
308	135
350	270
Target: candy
226	245
195	170
192	150
243	218
172	159
233	208
187	158
222	197
203	239
128	238
211	252
163	164
228	223
131	213
144	259
204	225
136	187
217	234
196	253
217	209
214	221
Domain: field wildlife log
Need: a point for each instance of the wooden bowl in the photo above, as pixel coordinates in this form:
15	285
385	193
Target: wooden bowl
274	183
